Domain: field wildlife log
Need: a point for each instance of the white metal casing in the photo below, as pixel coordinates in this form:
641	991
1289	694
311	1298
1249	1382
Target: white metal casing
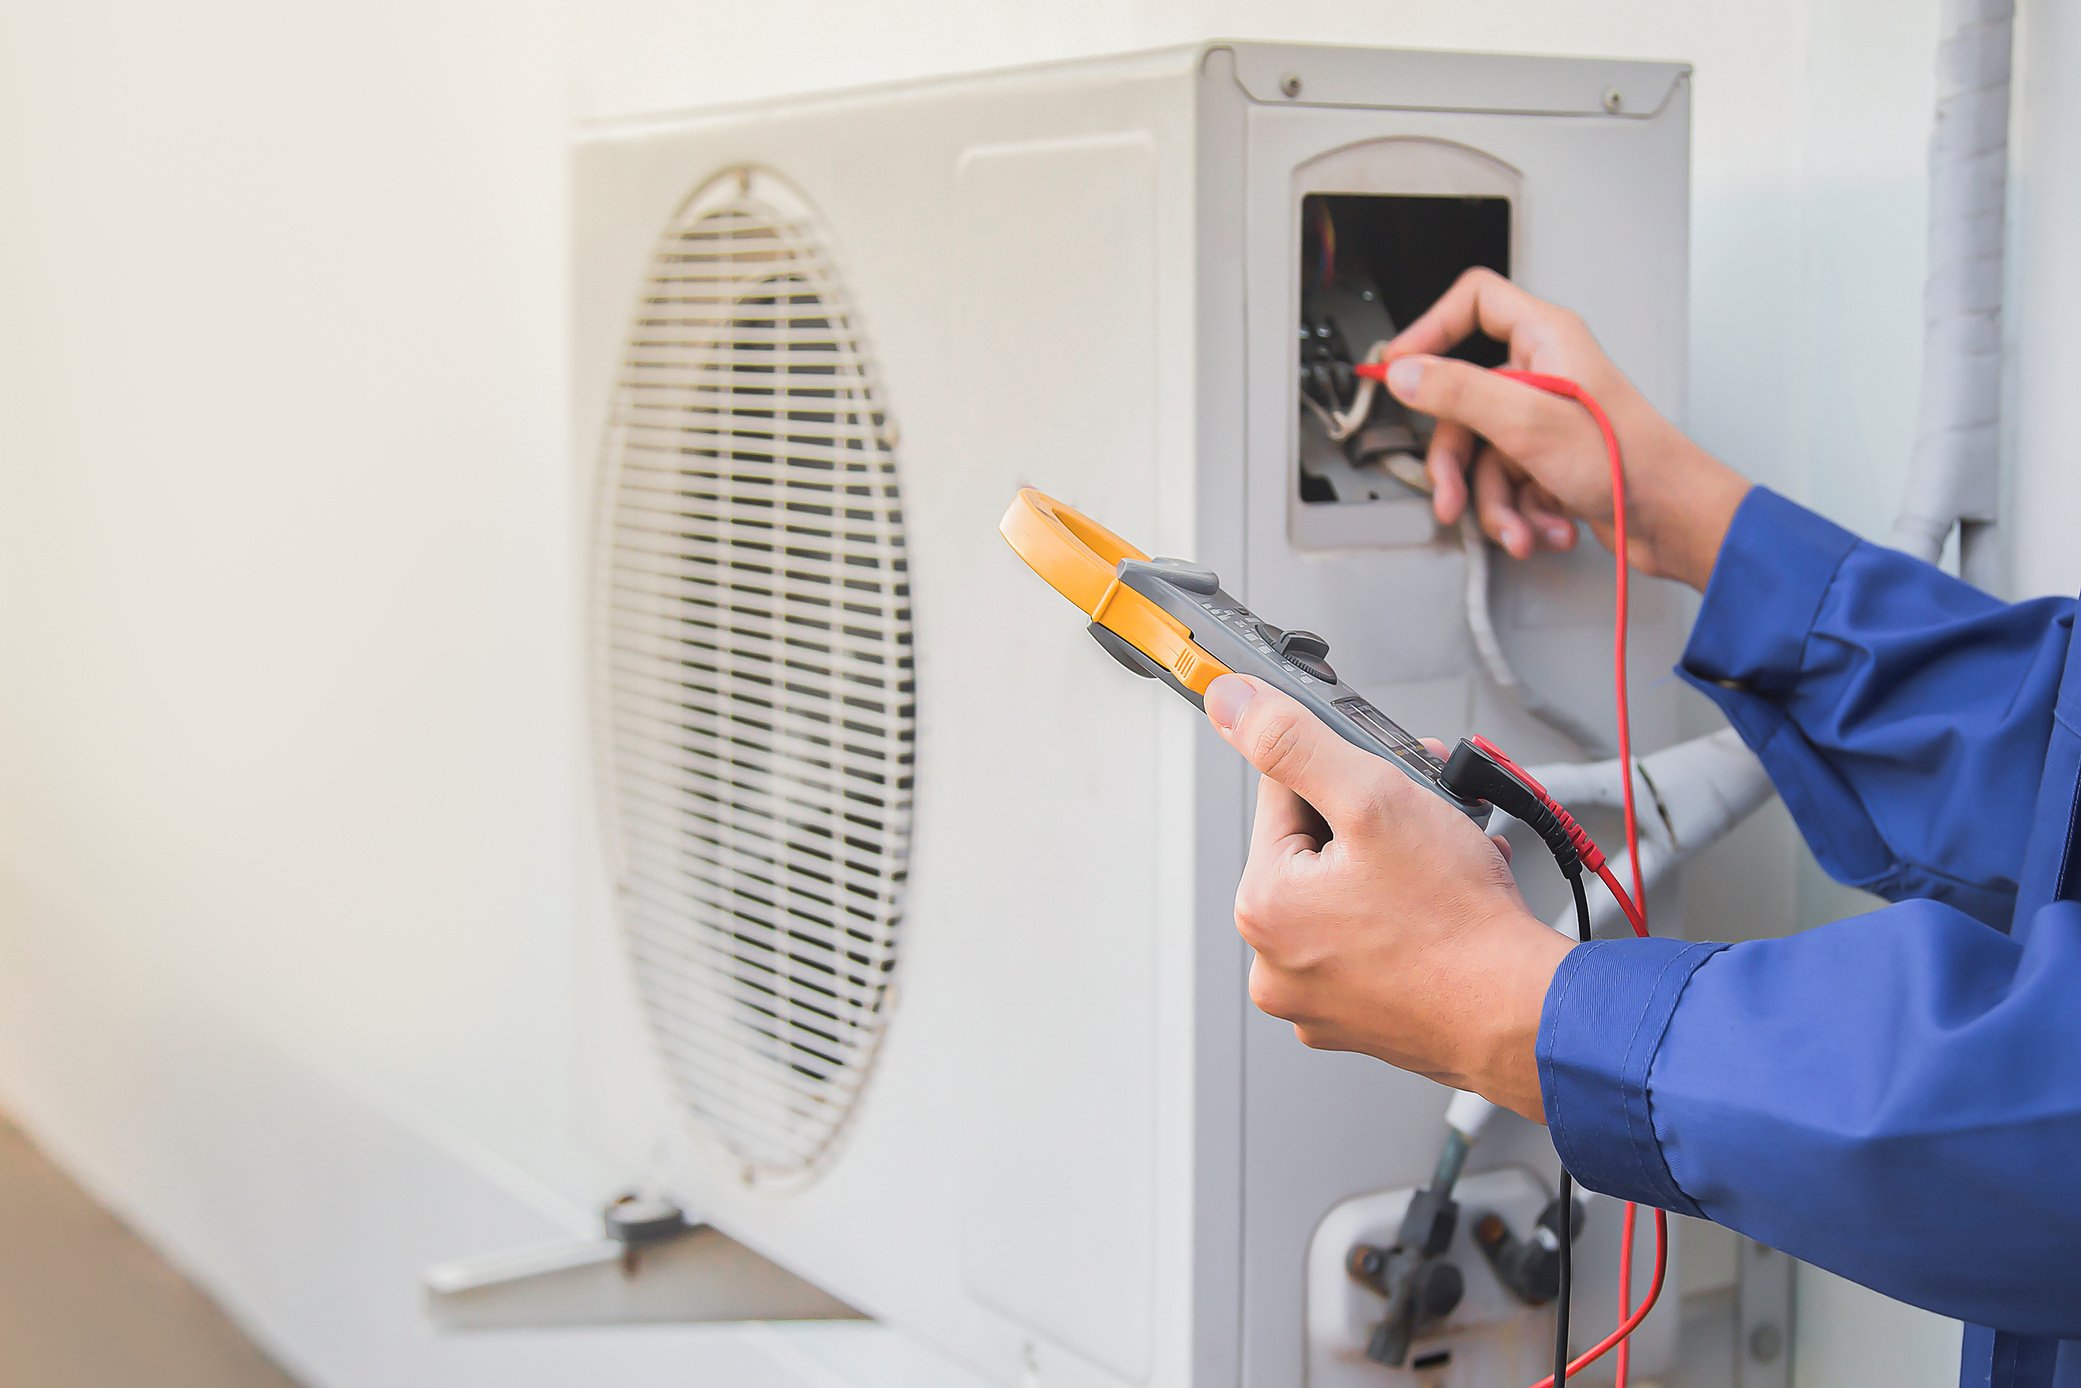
1080	1157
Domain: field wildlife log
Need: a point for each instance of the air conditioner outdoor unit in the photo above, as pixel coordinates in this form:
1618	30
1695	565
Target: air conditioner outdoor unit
912	964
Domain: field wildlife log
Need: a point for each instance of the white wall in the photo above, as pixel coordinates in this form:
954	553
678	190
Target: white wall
2044	412
289	737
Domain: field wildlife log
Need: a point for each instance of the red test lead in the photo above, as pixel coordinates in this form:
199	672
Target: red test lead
1633	905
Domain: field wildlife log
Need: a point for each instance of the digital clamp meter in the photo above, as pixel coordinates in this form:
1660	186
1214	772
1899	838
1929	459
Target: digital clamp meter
1170	620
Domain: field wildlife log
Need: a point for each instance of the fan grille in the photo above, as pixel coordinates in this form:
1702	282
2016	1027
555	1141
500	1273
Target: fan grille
756	663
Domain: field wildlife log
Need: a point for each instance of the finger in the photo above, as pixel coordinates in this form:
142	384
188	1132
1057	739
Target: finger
1293	747
1495	505
1452	446
1285	823
1502	845
1479	299
1547	517
1517	418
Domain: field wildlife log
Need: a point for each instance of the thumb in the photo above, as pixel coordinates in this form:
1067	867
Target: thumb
1286	742
1513	416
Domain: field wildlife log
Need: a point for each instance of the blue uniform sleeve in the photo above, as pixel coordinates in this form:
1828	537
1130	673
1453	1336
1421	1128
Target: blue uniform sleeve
1895	1097
1903	715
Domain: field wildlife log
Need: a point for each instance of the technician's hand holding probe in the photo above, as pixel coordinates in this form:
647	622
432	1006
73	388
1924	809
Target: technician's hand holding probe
1532	462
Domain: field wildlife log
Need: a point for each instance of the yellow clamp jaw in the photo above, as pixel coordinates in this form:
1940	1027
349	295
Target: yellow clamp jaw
1081	560
1140	609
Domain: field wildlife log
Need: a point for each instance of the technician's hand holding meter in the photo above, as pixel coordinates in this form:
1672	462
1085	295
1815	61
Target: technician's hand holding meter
1383	920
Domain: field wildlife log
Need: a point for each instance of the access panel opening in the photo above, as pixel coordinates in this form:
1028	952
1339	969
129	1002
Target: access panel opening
1370	264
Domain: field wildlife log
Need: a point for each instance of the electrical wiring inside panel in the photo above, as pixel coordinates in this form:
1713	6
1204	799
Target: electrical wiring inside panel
1369	264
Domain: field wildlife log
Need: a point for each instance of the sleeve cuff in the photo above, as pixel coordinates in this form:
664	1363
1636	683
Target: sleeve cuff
1773	570
1604	1018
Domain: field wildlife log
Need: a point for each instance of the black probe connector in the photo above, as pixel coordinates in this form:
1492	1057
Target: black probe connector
1477	771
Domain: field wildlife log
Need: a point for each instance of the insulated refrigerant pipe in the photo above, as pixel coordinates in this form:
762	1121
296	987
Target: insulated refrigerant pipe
1694	793
1691	795
1953	474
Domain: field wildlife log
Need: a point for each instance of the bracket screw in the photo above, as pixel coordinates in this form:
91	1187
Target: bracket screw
1290	84
1614	102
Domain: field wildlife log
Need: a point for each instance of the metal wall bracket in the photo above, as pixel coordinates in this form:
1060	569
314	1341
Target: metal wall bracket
652	1267
1765	1290
1738	1334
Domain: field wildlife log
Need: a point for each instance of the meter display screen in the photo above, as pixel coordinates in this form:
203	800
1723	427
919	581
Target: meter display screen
1382	727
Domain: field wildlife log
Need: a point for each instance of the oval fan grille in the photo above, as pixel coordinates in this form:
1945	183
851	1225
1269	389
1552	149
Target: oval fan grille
756	663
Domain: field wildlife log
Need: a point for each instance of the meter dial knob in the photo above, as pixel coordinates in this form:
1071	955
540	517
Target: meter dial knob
1306	650
1299	643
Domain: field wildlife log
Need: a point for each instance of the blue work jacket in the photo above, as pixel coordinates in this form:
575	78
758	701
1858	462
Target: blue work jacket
1895	1097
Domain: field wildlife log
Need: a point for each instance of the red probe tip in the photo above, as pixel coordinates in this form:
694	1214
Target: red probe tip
1371	370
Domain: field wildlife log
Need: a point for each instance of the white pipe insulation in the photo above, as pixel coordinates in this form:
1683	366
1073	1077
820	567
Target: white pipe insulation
1953	475
1687	797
